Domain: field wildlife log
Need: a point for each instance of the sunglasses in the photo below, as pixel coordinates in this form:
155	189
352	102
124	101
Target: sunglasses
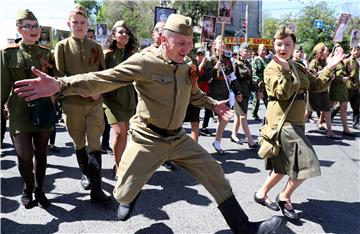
30	27
122	32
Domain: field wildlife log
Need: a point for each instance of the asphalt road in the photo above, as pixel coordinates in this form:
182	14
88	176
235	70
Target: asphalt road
173	202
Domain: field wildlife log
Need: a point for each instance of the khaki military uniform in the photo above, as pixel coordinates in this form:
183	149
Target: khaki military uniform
120	104
243	73
338	90
297	157
84	115
16	62
258	67
319	100
352	70
164	90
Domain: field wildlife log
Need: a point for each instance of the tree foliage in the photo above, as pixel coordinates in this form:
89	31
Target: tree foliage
138	15
306	34
92	6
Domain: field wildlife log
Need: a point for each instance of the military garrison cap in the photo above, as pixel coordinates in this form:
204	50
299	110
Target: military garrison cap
244	46
25	15
283	32
298	47
79	9
179	24
159	25
120	23
318	47
261	46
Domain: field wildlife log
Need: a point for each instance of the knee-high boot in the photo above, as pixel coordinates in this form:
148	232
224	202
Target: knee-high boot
239	222
82	158
96	194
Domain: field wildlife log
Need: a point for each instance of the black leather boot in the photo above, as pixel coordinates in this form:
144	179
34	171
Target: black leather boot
124	210
239	222
82	158
96	194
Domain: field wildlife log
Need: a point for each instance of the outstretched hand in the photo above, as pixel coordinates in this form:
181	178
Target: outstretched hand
223	110
42	86
335	58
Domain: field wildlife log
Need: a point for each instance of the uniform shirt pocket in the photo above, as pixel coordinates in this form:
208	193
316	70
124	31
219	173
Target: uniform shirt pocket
162	79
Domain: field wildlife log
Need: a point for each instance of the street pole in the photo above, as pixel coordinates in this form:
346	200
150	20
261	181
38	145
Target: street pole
247	21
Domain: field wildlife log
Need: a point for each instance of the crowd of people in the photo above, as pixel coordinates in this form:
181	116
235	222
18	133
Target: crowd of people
130	90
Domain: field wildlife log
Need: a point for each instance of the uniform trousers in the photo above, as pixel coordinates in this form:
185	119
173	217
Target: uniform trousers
354	98
85	122
145	153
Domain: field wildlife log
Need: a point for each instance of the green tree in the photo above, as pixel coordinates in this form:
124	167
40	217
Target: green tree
138	15
309	36
92	6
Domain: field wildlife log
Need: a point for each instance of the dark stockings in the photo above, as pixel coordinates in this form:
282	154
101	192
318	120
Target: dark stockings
28	145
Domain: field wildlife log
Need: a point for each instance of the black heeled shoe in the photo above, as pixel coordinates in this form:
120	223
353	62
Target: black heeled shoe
289	213
26	198
253	146
40	197
262	201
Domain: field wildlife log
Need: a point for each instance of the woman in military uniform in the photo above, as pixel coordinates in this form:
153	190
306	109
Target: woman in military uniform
120	103
339	92
243	72
320	101
297	158
30	124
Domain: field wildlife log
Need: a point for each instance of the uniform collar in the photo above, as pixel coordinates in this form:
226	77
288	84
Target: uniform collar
27	47
77	40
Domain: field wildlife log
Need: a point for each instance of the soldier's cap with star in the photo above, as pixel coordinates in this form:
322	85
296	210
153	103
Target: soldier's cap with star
318	47
79	10
244	46
283	32
179	24
25	15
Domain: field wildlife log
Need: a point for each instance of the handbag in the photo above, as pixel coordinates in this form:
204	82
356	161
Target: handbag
42	112
269	138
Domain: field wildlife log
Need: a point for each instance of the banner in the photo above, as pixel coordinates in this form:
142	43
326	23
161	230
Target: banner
251	41
341	27
208	28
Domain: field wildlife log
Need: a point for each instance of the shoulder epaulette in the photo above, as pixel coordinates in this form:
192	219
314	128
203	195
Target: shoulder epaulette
106	51
43	47
11	46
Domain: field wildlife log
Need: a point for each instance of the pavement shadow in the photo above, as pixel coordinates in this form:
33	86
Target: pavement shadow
229	161
173	187
333	216
155	228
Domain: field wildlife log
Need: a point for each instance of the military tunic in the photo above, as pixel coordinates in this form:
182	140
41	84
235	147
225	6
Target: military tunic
338	90
243	73
258	67
120	104
352	70
84	115
16	62
297	157
319	100
164	90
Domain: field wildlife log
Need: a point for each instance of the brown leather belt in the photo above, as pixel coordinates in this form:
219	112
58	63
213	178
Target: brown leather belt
163	132
299	96
219	78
